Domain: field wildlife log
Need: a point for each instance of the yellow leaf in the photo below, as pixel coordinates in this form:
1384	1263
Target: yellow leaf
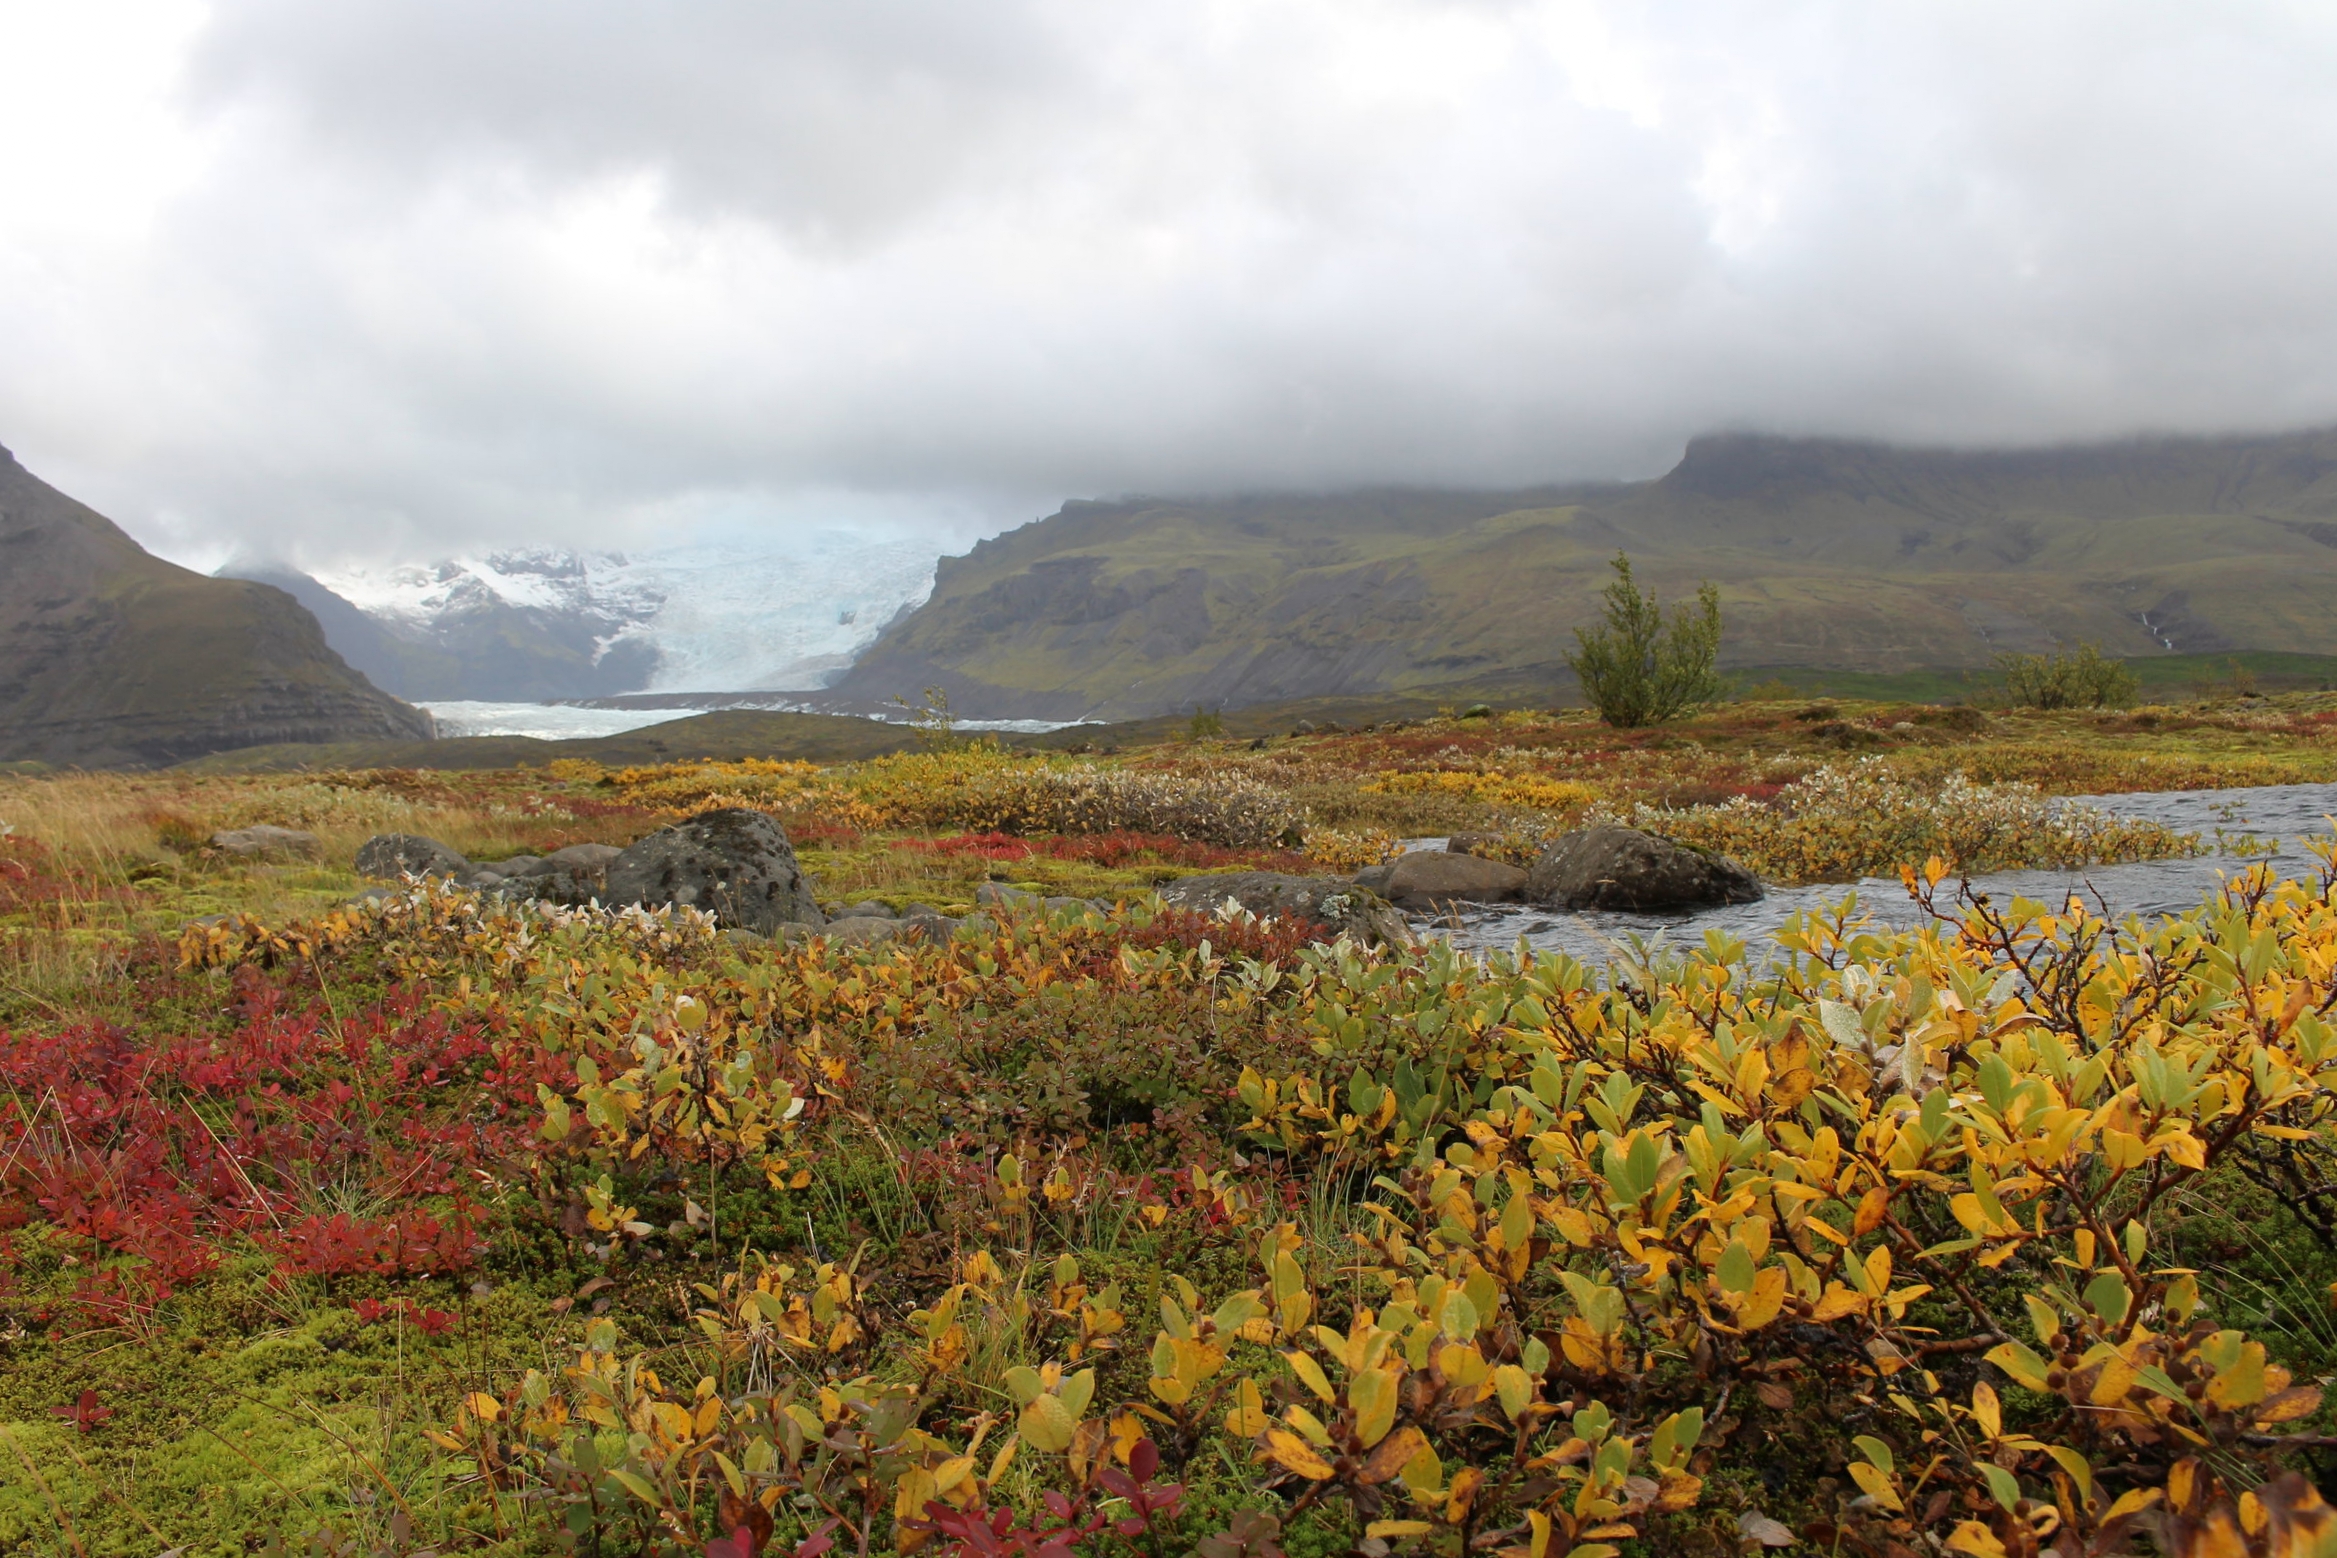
1423	1473
1373	1395
1310	1374
1383	1529
1877	1486
1837	1302
672	1422
1247	1420
2080	1470
2183	1147
2018	1361
1987	1410
2117	1378
1047	1425
2299	1401
1760	1306
483	1406
2241	1385
1128	1429
1516	1389
1974	1538
917	1488
1818	1225
1571	1224
1679	1491
1295	1455
1393	1455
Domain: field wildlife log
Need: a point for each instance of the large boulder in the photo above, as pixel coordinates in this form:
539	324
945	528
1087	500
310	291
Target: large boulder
735	864
1613	867
575	875
395	855
1432	878
1330	901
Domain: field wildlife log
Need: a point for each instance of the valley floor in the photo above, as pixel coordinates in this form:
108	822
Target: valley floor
436	1224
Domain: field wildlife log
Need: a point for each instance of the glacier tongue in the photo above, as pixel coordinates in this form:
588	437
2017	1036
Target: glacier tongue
789	618
760	613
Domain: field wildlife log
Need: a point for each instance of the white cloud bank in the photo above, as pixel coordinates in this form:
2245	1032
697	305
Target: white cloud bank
371	277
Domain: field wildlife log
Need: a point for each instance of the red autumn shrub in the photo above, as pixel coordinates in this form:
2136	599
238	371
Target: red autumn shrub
168	1150
412	1243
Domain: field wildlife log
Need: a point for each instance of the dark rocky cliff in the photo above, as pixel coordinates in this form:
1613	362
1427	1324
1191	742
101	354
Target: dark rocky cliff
111	657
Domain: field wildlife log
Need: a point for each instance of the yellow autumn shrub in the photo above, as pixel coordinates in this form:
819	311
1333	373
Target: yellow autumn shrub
1866	819
1918	1187
1568	798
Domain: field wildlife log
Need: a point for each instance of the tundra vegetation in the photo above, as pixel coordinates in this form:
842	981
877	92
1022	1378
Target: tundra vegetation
432	1223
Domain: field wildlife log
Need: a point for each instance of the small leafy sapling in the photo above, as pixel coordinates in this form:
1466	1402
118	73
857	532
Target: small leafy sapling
1637	670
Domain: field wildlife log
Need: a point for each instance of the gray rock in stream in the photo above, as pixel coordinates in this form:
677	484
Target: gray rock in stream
1430	879
1613	867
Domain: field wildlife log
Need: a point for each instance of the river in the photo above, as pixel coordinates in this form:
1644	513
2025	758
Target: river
2285	815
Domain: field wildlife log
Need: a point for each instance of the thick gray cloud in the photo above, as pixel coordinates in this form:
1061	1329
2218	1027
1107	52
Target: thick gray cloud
403	276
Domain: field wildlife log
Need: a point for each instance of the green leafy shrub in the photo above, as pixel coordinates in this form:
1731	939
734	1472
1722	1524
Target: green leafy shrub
1637	671
2081	680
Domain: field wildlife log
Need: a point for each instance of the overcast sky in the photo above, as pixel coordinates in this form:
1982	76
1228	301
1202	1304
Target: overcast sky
371	277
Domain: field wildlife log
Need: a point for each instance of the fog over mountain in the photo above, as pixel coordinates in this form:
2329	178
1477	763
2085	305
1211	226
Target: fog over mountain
390	283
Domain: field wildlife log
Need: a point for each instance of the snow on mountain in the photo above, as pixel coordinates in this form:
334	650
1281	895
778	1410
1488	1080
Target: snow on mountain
744	614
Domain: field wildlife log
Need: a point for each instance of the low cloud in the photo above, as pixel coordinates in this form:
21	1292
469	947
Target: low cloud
369	277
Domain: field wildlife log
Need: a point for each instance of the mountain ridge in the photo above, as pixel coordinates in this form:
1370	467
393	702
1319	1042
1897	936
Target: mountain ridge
472	642
110	656
1828	552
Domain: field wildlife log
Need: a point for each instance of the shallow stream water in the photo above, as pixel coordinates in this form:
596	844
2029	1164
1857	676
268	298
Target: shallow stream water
2287	813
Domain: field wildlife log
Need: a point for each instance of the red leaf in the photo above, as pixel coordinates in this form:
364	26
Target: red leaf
84	1414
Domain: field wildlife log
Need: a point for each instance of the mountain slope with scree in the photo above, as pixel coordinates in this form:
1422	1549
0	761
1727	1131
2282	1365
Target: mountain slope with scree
1827	553
111	657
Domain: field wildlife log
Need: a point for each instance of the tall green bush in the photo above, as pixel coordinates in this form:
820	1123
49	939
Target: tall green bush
1637	671
2084	680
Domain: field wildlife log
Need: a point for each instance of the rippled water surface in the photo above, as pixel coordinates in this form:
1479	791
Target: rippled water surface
2288	813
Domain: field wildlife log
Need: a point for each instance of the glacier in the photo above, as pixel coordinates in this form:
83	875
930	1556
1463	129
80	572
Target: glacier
756	613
